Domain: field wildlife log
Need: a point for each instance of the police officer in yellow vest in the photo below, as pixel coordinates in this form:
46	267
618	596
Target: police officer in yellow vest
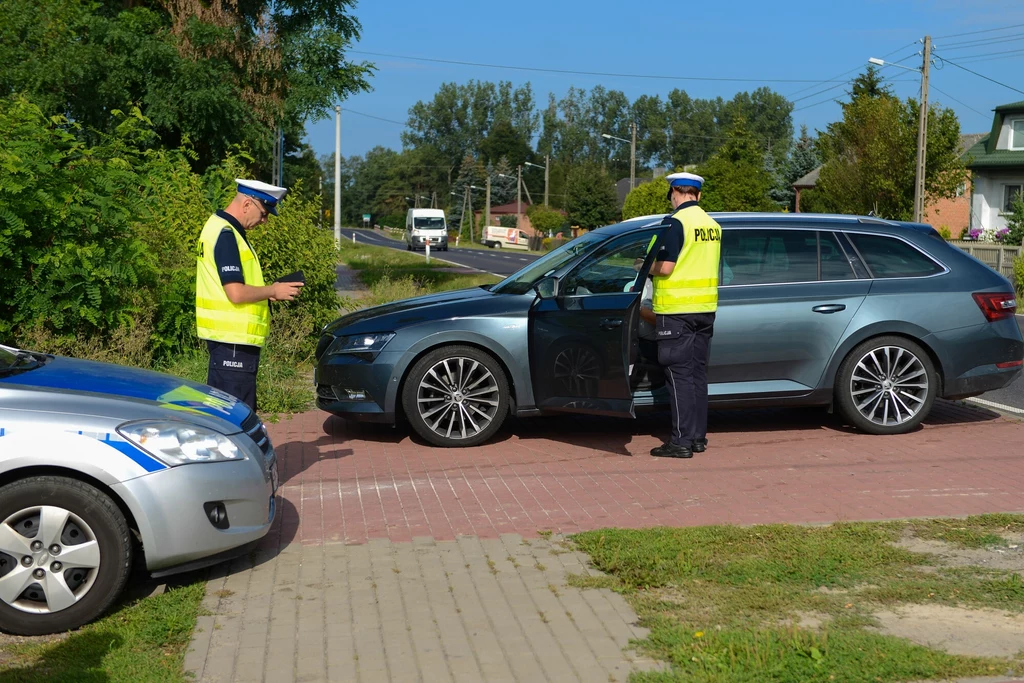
232	300
685	300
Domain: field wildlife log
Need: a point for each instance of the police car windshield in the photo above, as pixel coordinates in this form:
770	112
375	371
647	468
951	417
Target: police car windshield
521	281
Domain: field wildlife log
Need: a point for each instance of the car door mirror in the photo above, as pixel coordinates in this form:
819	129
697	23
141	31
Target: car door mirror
546	287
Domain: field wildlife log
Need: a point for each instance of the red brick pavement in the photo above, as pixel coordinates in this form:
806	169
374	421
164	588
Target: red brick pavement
347	482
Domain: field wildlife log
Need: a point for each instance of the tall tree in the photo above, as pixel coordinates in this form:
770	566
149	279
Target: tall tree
214	75
870	155
590	199
735	178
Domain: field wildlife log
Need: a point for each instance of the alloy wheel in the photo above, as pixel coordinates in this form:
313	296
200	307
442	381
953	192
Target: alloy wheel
889	385
49	559
458	398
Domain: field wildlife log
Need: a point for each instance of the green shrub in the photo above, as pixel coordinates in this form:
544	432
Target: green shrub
945	232
647	199
71	262
508	221
1015	222
544	219
1018	274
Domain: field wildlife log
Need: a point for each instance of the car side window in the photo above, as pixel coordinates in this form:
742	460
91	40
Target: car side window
759	257
835	265
888	257
610	269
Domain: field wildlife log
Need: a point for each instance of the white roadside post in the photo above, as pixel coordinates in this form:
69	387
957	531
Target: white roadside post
427	249
353	238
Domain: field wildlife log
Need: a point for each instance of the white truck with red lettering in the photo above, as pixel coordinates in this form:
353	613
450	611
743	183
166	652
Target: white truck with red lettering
505	238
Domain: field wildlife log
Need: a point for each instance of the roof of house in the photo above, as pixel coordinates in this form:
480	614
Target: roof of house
510	208
983	154
809	180
1011	107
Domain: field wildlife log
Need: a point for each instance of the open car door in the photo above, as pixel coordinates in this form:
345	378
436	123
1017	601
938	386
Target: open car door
583	333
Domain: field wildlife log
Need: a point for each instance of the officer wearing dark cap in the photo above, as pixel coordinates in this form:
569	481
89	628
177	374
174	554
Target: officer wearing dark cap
685	300
232	309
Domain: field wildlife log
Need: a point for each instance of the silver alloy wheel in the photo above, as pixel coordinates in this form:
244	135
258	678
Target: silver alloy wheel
458	398
889	385
56	558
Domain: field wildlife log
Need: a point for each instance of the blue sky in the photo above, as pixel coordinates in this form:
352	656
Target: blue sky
798	39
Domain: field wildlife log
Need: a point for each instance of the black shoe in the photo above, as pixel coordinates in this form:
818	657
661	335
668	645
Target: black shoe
699	446
671	450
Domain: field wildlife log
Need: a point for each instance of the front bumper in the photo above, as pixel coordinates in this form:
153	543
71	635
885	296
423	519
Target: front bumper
336	376
168	508
420	242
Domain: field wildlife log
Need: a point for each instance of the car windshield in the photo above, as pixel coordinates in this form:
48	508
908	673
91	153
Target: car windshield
521	281
13	360
429	223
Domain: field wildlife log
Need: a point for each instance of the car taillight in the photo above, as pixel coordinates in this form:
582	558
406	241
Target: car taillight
996	305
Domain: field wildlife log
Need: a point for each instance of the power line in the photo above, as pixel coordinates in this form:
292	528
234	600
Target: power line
1013	37
935	87
990	54
964	68
846	73
974	33
371	116
588	73
1008	55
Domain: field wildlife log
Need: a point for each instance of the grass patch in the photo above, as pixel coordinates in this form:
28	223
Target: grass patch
142	641
392	275
722	601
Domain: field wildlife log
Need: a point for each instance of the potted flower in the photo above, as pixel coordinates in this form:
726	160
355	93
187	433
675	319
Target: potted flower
1001	234
974	234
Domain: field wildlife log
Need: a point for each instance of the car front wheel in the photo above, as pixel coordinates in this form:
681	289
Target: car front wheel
456	396
886	386
65	554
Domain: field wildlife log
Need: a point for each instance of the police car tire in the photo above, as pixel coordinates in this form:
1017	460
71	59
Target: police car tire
419	370
846	403
107	522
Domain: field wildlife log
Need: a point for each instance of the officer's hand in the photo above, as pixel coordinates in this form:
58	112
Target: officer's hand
285	291
638	263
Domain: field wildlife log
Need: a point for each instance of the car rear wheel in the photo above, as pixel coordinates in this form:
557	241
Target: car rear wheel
456	396
886	386
65	554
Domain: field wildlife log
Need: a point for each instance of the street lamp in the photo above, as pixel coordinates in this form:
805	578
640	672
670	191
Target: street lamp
547	160
632	152
922	124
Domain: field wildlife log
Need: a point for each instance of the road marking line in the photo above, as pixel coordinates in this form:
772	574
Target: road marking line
1000	406
523	259
392	244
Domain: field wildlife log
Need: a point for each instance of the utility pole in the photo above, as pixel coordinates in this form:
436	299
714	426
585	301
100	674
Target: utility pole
433	199
922	134
320	182
547	162
632	156
519	195
487	204
337	175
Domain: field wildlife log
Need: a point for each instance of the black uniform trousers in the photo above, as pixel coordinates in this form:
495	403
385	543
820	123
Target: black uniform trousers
684	345
233	369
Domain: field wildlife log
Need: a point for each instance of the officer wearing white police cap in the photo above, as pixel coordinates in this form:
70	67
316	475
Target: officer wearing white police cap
232	309
685	299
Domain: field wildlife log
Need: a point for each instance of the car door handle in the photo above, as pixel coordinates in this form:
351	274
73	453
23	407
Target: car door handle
610	323
829	308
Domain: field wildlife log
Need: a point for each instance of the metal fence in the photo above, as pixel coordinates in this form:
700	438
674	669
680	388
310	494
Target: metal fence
996	256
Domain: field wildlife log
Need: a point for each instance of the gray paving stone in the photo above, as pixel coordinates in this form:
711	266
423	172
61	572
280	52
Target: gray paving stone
466	610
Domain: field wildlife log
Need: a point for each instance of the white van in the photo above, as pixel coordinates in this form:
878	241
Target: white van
505	238
423	226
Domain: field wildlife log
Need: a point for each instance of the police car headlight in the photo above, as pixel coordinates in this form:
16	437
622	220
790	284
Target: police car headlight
181	443
364	345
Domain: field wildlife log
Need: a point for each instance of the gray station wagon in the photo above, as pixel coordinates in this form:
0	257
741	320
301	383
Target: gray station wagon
873	317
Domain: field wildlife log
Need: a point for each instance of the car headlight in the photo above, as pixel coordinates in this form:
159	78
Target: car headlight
365	345
181	443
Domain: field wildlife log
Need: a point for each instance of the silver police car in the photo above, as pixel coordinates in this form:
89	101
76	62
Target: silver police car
102	466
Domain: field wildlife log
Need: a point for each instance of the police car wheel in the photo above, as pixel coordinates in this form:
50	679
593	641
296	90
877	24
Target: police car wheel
65	554
886	385
456	396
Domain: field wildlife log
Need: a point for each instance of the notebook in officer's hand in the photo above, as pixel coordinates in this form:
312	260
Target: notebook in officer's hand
297	276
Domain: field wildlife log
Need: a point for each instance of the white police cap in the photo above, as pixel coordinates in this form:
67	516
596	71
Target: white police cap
268	194
685	180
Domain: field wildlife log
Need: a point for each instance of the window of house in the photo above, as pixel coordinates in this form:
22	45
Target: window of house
888	257
1010	192
1017	133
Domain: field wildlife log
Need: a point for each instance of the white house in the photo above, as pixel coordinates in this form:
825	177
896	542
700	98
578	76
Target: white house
997	168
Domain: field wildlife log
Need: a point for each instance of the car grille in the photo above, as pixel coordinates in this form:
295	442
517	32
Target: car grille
326	392
321	346
255	430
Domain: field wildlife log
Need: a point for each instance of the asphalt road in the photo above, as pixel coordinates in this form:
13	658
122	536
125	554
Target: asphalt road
1009	399
495	261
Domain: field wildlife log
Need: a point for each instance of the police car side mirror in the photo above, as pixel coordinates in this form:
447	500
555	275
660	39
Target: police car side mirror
546	287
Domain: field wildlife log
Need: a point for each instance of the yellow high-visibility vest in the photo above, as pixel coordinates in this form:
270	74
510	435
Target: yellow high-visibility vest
693	285
217	319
